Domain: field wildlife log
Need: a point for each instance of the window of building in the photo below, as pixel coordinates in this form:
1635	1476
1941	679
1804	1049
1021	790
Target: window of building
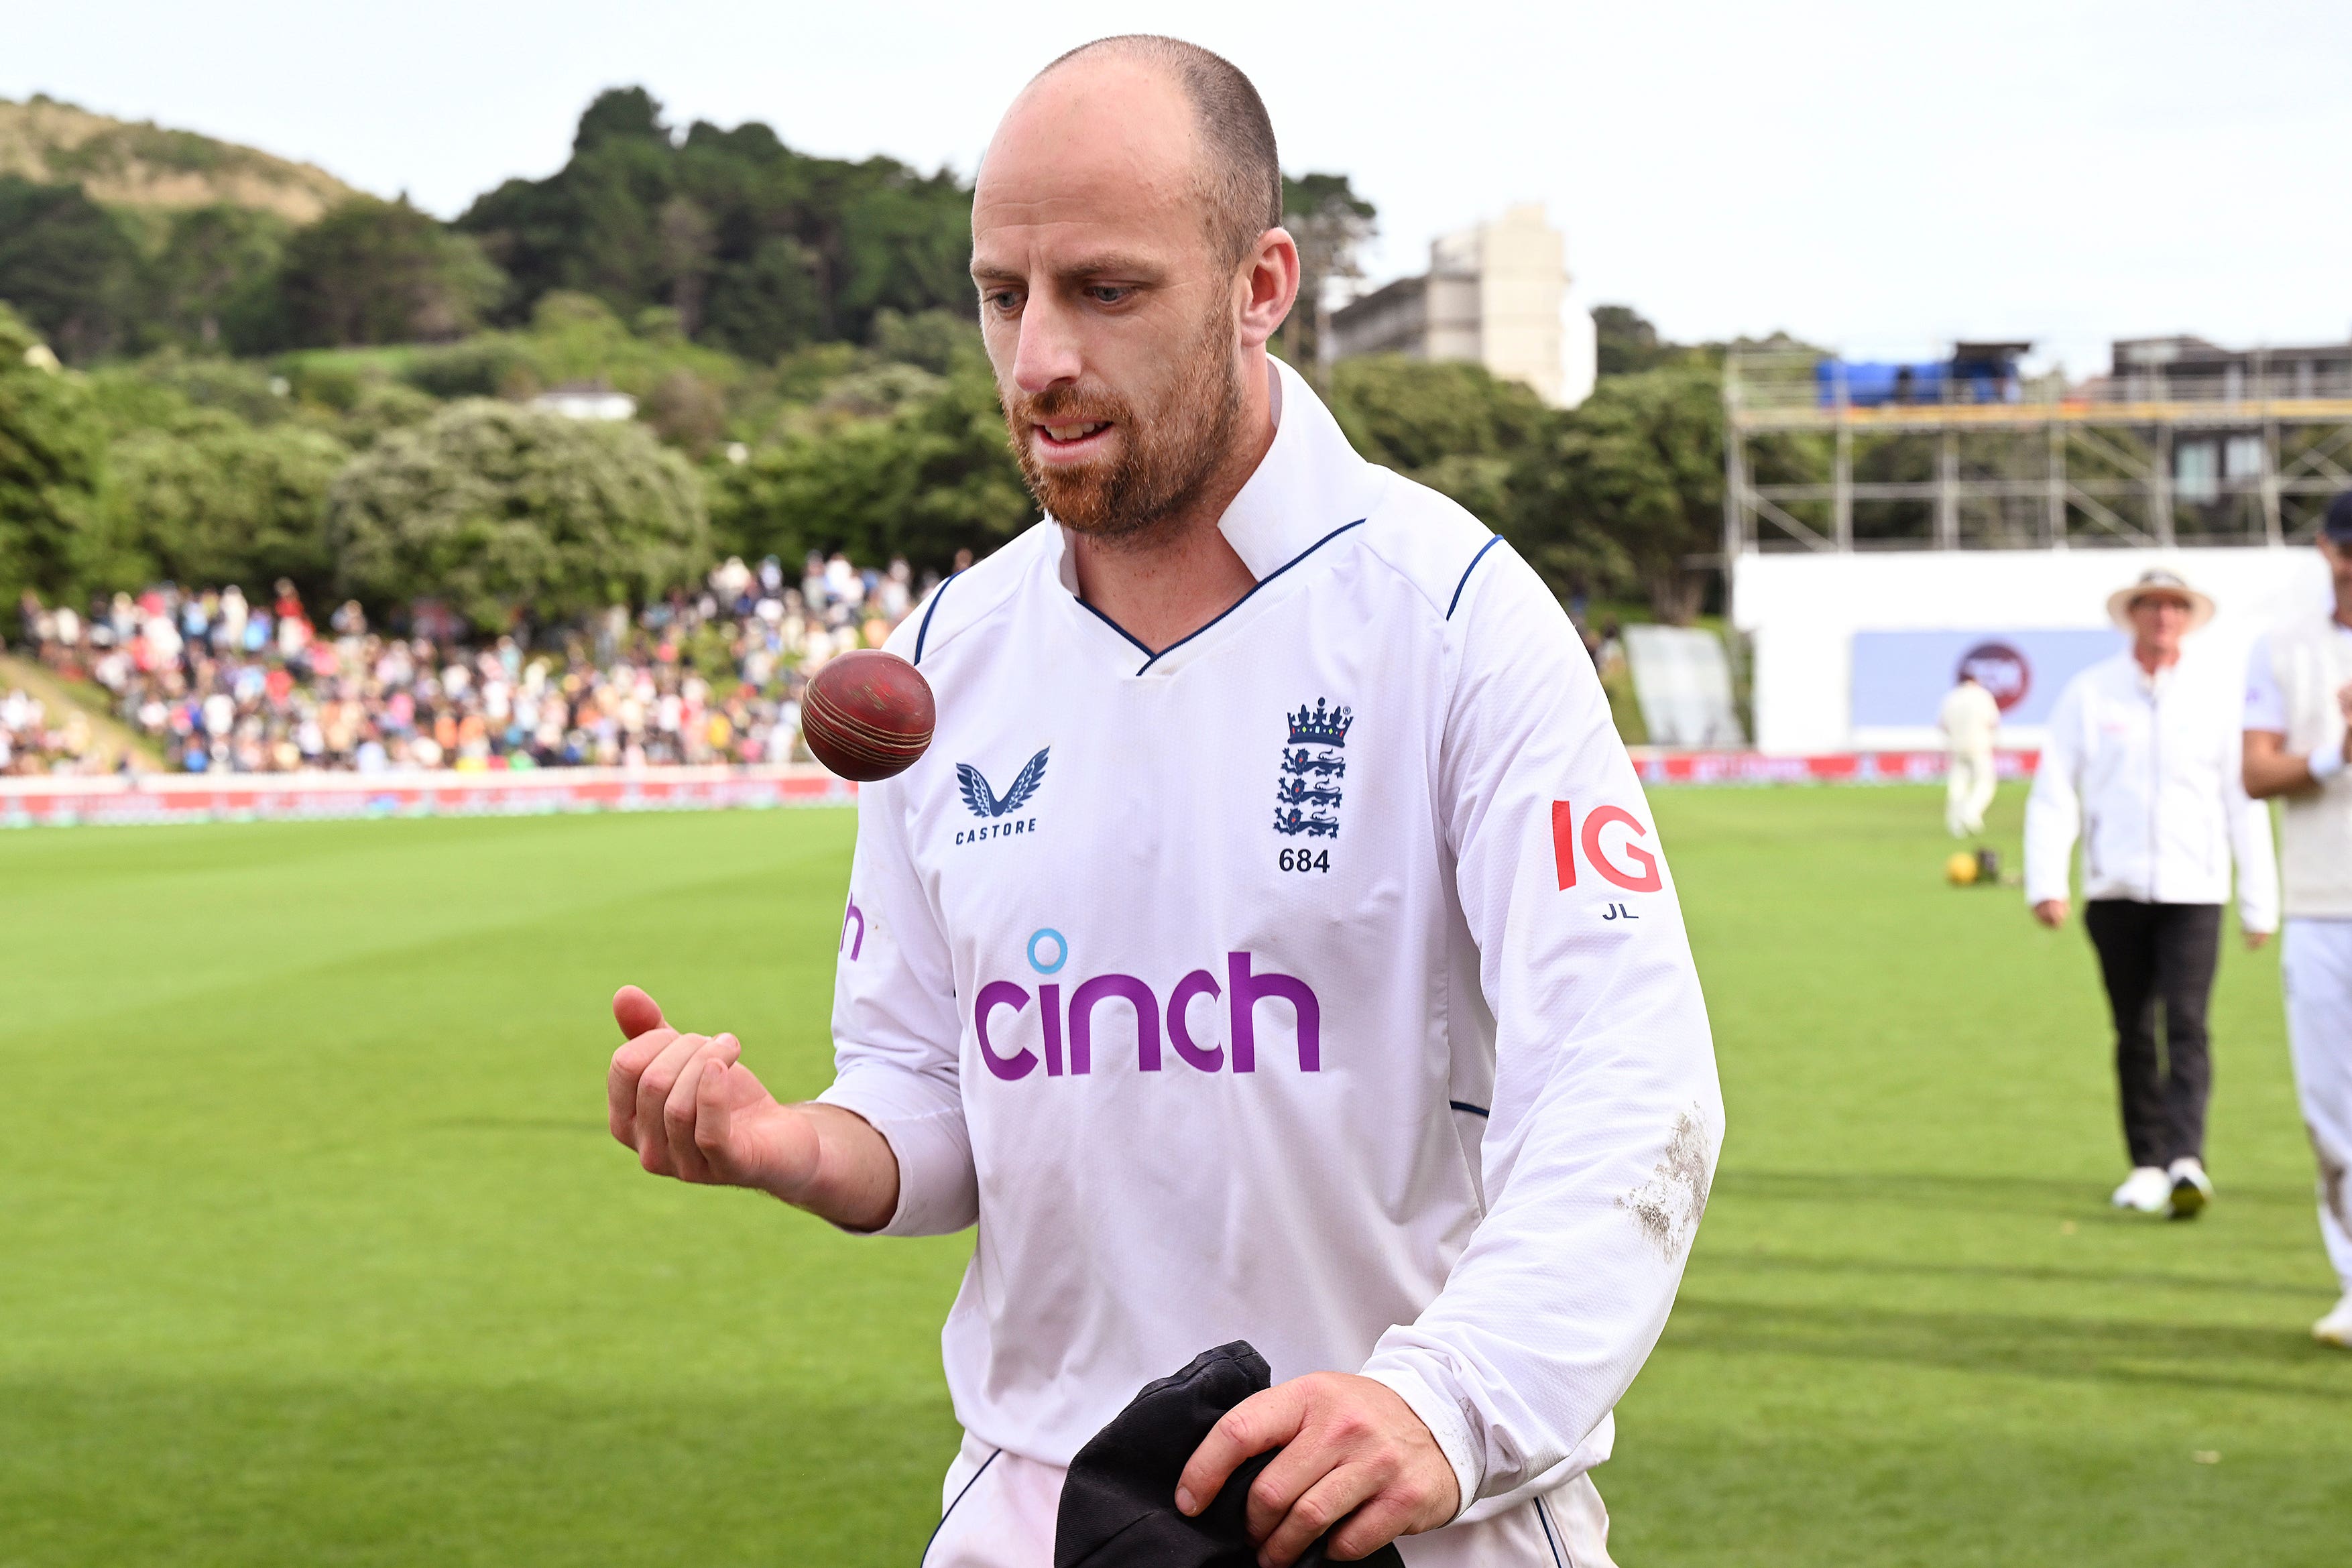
2197	470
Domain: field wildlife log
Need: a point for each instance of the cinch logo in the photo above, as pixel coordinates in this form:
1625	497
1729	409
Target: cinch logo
1565	842
989	806
855	942
1073	1023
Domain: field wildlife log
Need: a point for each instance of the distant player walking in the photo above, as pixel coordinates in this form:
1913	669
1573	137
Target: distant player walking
1970	720
1274	943
2143	763
2298	745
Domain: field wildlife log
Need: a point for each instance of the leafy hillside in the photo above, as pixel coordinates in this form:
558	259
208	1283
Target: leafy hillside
122	164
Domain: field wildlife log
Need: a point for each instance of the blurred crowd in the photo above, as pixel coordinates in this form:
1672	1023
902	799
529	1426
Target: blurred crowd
220	682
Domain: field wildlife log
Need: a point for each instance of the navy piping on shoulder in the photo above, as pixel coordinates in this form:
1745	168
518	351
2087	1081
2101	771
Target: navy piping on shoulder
931	609
942	1524
1543	1516
1117	628
1466	570
1466	1105
1236	604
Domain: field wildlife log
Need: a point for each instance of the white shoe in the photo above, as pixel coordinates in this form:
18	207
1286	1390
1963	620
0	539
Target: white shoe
2192	1190
2335	1328
2148	1189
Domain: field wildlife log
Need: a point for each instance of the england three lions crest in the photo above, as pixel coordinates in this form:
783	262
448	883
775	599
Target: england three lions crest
1306	793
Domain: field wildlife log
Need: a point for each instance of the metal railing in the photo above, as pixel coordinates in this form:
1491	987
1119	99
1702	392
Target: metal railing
1822	456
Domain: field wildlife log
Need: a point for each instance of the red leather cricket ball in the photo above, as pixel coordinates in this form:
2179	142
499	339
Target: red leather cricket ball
867	715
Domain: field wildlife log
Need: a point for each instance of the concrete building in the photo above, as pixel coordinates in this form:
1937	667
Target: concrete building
1496	295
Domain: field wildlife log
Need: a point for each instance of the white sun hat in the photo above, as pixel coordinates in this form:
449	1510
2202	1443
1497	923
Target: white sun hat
2158	581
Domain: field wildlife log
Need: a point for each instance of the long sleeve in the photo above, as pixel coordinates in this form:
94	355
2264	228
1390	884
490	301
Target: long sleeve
1607	1117
2250	837
895	1032
2053	812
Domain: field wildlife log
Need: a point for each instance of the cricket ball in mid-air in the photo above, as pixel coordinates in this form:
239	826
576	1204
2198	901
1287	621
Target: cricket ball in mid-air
867	715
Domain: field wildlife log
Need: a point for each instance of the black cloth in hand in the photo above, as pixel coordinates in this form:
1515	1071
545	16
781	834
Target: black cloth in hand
1118	1503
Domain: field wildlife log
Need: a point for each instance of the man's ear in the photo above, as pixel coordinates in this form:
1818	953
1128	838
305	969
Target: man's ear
1270	275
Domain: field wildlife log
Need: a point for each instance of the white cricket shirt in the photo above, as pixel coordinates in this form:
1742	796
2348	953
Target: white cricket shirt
1318	981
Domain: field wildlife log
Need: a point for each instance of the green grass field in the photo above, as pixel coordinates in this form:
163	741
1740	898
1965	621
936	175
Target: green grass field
313	1248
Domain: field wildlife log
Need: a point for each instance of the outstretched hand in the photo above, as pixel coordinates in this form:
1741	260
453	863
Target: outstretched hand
1353	1455
690	1109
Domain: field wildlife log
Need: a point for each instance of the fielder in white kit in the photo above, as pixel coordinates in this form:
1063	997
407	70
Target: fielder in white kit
1274	944
1970	720
2298	745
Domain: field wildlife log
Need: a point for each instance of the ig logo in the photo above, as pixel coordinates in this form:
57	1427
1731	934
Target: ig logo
1637	871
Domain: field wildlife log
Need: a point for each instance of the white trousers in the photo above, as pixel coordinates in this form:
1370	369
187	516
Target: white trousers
2316	960
1969	780
997	1510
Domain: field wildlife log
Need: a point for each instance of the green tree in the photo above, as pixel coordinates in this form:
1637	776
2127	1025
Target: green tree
1454	427
214	500
759	249
934	477
210	284
381	272
685	411
1626	342
940	341
52	446
512	513
1331	225
619	114
1631	482
70	268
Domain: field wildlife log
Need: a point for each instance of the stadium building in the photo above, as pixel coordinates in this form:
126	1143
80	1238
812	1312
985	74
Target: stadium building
1494	295
1886	524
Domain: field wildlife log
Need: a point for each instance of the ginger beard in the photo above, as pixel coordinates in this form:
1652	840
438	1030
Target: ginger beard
1160	462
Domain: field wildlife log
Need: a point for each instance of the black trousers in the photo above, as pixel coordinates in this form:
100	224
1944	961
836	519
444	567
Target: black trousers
2157	960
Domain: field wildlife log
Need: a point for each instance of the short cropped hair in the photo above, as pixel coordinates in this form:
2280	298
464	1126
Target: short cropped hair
1242	179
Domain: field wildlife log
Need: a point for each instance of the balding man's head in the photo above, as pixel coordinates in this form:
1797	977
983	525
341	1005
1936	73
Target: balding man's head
1240	171
1128	247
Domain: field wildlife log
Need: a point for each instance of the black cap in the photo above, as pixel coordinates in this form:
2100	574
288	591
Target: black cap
2338	526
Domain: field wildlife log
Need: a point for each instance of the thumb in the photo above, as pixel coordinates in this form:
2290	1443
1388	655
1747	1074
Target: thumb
636	1012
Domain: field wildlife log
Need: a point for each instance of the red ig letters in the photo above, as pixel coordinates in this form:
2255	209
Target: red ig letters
1564	843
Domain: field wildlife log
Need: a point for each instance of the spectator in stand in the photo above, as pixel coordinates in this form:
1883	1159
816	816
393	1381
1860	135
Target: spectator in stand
224	685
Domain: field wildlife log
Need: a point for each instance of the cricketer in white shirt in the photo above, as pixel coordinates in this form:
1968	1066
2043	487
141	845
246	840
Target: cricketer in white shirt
1970	720
1318	981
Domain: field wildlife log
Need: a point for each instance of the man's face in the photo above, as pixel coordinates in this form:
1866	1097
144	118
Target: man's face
2159	621
1109	319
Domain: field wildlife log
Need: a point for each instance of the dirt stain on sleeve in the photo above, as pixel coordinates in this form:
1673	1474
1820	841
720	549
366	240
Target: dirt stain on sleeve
1667	1205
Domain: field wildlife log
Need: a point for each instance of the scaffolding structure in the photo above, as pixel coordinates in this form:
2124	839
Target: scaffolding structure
2154	458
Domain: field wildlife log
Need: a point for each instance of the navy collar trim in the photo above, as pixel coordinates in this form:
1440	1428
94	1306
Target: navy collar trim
1119	629
924	630
1466	570
1236	604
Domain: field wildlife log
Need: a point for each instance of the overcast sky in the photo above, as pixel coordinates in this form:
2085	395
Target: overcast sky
1881	177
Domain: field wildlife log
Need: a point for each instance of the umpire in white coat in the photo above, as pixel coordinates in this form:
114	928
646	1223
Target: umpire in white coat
2142	766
